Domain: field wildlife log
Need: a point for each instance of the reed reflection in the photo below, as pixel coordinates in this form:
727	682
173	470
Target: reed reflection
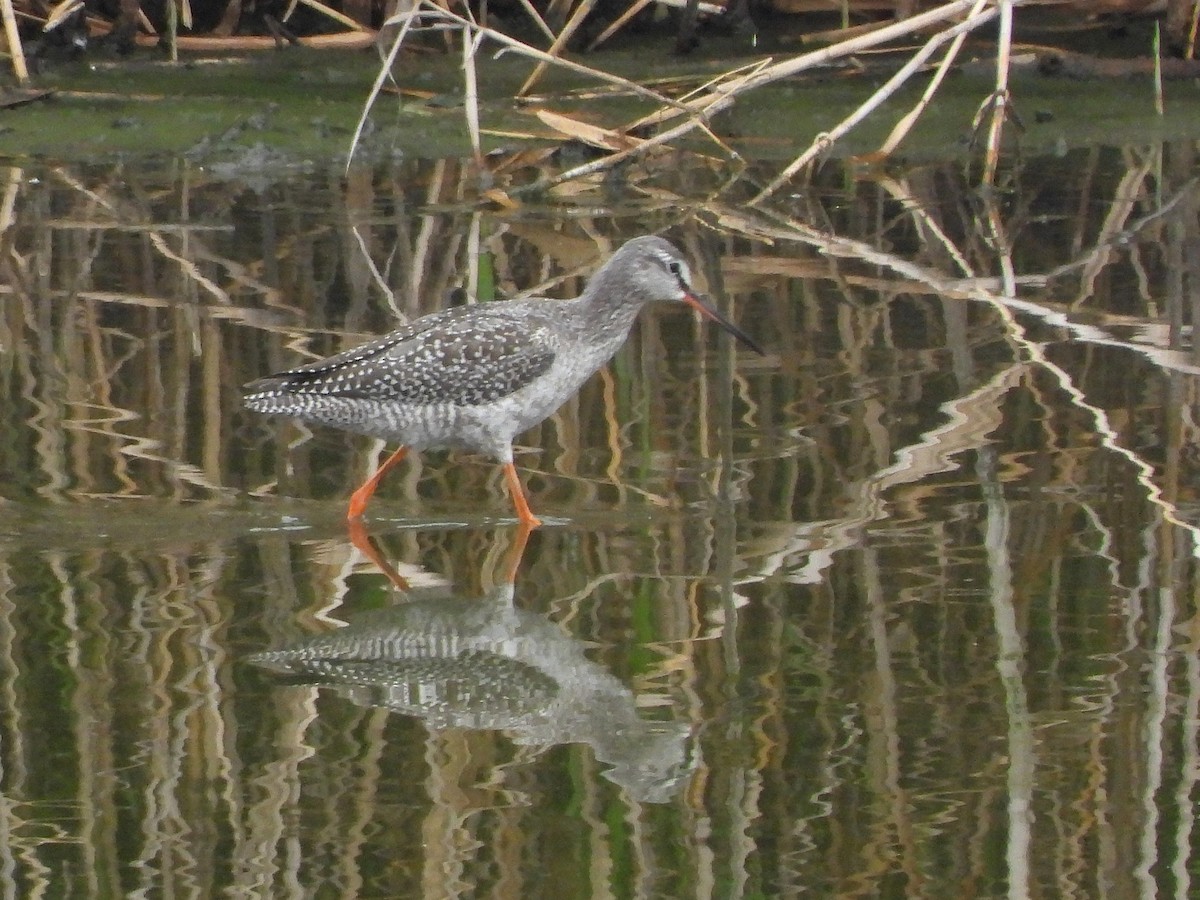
475	663
951	609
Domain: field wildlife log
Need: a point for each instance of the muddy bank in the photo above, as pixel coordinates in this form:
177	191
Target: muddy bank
301	106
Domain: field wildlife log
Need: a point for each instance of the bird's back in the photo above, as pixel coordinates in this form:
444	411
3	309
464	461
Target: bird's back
465	356
435	381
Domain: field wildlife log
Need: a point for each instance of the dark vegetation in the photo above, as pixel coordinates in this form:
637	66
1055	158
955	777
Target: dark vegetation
79	27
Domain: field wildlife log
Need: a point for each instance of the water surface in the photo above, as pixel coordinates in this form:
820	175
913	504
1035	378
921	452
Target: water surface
906	607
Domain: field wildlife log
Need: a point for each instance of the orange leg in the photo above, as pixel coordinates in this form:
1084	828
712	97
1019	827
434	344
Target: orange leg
358	500
524	513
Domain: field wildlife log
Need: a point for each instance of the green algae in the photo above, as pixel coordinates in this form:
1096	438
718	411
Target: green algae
302	105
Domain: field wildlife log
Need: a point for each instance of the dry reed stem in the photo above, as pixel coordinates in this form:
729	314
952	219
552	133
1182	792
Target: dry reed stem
470	44
172	32
824	141
534	53
556	10
8	205
430	8
662	115
346	40
405	21
837	35
709	9
725	93
902	127
603	138
60	12
616	26
1001	245
724	90
537	19
581	12
1192	29
1158	77
1000	99
474	251
20	70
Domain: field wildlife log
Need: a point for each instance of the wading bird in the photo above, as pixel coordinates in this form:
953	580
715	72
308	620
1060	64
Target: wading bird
477	376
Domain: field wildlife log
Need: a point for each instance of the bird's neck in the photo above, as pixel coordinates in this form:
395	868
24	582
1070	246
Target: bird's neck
609	307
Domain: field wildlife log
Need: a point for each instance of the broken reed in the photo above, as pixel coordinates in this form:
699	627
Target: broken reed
950	24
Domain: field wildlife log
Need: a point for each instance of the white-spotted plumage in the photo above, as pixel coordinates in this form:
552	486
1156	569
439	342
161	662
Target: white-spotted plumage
479	375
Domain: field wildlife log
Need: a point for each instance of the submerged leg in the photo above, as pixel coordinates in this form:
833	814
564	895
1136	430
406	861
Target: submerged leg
524	513
365	543
516	551
358	500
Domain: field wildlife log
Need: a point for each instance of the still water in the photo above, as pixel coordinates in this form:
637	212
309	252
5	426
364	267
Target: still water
906	607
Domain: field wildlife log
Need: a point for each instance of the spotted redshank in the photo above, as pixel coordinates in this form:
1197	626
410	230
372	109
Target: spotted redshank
477	376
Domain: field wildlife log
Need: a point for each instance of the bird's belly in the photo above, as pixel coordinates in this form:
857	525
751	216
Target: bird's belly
416	425
534	403
485	428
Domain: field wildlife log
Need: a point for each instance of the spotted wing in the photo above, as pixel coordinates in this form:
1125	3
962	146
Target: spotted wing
466	356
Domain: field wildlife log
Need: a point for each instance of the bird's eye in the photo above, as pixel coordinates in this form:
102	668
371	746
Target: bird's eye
676	268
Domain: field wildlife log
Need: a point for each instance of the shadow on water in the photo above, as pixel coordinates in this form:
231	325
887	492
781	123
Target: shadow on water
907	606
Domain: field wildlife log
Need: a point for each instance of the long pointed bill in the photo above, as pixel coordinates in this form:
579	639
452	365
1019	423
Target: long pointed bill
709	311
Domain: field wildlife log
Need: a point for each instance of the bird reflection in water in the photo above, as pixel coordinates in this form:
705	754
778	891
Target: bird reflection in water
482	663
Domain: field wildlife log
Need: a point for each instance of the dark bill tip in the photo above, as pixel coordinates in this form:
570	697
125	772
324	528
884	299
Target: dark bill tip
709	311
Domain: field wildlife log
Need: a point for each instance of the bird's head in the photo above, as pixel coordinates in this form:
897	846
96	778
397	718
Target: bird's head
649	269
